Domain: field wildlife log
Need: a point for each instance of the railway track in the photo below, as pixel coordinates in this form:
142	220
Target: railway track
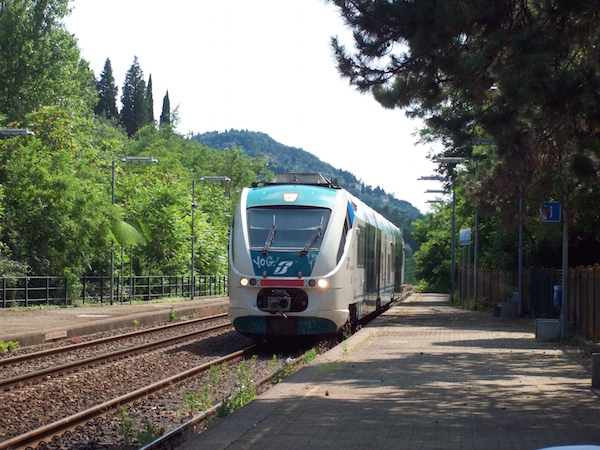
157	404
63	391
96	342
99	359
68	431
72	422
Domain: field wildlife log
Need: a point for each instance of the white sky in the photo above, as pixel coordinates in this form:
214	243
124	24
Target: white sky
261	65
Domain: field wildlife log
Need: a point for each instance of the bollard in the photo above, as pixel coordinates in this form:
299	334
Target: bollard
596	370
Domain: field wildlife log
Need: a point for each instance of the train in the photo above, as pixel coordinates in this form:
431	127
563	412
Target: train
307	258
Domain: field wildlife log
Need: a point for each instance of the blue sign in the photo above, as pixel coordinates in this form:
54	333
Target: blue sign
550	212
464	236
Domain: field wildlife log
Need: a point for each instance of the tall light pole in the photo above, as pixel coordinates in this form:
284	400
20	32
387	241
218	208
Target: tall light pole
452	161
194	206
127	159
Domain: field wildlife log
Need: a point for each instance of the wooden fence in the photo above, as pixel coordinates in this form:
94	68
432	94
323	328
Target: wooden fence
584	301
495	286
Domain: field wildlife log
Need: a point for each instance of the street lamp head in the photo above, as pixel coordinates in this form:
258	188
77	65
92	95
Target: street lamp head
212	178
139	159
432	178
451	160
16	132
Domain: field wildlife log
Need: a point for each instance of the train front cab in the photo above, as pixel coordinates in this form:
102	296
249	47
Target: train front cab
293	288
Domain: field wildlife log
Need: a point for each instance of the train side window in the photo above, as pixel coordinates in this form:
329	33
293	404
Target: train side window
345	229
362	247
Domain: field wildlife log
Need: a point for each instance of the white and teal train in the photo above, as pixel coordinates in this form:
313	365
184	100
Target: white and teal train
307	257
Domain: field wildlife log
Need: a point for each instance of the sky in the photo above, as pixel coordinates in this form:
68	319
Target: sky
260	65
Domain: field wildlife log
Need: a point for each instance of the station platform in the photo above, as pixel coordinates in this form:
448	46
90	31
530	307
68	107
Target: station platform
425	375
37	326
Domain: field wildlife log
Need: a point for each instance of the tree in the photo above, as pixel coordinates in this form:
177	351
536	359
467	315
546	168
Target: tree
107	93
40	63
56	217
134	113
150	100
165	116
522	73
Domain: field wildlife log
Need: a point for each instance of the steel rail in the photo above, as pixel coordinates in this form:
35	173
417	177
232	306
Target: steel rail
19	379
75	420
69	348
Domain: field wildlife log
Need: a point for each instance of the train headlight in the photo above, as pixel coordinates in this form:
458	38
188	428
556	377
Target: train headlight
322	283
244	282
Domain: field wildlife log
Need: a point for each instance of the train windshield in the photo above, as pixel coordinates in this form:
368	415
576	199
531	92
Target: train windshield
299	229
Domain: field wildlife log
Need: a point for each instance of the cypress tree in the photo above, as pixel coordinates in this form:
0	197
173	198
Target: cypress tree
134	114
165	116
107	93
149	99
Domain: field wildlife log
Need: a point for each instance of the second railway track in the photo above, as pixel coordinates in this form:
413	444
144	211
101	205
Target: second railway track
28	367
71	390
79	420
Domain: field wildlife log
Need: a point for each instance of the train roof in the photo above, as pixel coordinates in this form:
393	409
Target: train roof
312	179
370	216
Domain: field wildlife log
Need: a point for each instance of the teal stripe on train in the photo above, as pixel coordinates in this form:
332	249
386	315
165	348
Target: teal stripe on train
306	325
314	196
282	264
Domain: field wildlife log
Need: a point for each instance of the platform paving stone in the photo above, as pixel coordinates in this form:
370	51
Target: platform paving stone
426	375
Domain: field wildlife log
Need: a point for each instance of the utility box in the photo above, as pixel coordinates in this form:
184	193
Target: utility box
596	370
497	309
509	310
547	329
506	310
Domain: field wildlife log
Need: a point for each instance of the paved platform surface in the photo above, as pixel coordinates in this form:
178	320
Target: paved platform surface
29	327
425	375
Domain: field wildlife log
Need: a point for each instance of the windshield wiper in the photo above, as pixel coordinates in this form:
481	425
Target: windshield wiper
270	238
312	239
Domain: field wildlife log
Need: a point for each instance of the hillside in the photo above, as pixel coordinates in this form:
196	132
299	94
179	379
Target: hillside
282	158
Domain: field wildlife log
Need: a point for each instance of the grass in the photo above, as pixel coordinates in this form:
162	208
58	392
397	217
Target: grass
246	390
8	346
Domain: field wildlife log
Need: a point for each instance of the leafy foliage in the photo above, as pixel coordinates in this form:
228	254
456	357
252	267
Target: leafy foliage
522	75
40	63
54	219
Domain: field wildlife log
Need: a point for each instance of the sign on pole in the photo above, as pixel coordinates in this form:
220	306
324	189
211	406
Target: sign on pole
550	212
464	236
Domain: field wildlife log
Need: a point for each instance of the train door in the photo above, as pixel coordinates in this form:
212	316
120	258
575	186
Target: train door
372	267
398	257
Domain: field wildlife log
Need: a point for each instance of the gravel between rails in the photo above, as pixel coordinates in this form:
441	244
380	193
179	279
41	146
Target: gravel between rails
32	406
160	413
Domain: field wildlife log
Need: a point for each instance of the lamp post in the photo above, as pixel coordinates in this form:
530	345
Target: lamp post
453	161
16	132
127	159
194	206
